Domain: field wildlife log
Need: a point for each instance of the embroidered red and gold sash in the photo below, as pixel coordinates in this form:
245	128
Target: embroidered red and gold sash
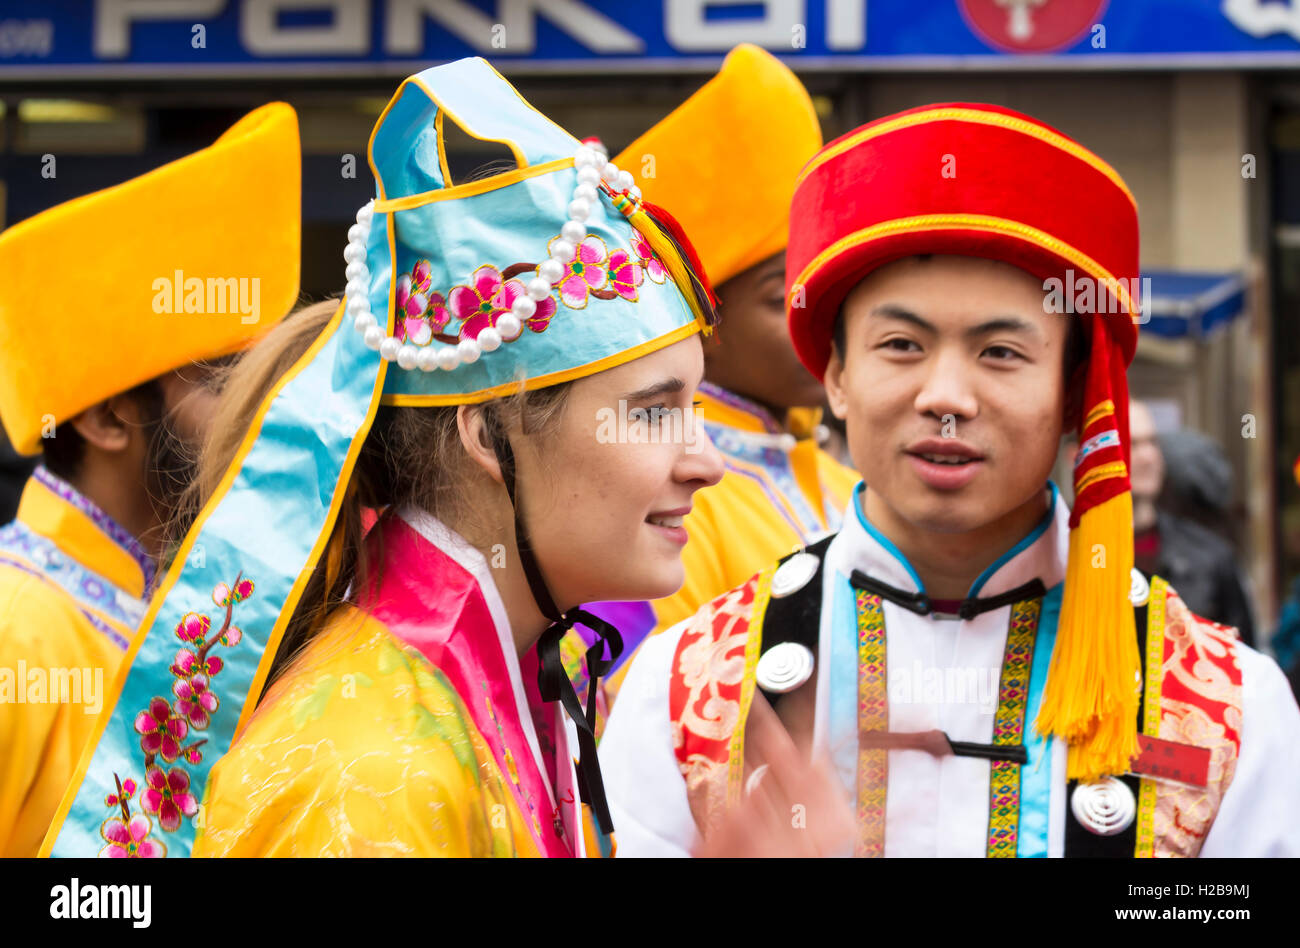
1192	691
1193	696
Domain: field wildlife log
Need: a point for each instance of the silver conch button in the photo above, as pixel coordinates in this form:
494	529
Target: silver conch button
1105	808
784	667
1139	590
794	574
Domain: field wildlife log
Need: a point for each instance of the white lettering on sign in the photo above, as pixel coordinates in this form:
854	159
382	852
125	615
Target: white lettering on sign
347	33
404	25
689	28
1259	18
113	19
26	38
846	24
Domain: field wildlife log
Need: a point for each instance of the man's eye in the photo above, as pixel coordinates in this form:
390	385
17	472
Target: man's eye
1002	353
900	345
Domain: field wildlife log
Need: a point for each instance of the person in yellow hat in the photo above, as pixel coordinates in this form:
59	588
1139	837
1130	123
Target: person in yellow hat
110	377
725	163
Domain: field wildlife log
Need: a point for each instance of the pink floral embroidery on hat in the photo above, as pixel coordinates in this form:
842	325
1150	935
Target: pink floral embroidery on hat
625	275
419	312
489	296
585	272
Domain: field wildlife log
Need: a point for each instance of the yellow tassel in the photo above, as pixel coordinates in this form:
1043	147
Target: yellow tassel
677	268
1091	696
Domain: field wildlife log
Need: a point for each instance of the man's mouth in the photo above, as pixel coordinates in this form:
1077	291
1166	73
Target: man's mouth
946	458
665	521
945	463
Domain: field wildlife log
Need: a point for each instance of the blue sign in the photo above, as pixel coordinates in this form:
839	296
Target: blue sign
68	38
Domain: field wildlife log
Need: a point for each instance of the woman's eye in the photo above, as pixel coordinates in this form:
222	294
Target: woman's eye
651	414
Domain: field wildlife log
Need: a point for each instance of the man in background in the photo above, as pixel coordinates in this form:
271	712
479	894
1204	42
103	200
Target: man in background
111	383
724	163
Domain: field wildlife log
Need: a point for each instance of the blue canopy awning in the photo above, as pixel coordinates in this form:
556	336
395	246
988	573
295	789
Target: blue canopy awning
1184	304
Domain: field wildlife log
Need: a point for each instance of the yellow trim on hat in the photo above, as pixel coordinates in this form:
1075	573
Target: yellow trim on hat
1099	411
1102	473
978	117
981	222
505	179
553	378
442	149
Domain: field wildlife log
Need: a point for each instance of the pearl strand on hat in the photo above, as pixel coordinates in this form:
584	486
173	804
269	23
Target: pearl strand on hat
593	169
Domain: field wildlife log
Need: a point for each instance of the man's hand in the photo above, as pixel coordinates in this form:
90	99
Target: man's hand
790	808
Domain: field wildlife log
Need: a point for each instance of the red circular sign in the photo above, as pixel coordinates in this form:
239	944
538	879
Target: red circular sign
1031	26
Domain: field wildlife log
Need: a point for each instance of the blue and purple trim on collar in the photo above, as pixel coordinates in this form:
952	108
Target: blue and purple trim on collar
740	403
106	524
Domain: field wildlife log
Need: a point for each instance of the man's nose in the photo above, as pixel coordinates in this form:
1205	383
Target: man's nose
948	387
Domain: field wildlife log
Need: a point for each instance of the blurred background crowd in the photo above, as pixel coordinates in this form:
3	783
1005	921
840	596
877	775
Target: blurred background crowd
1195	102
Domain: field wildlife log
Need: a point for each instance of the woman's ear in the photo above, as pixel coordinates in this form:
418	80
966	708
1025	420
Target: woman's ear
476	438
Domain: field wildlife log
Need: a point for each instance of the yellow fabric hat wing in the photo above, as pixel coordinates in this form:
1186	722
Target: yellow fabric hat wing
725	161
190	261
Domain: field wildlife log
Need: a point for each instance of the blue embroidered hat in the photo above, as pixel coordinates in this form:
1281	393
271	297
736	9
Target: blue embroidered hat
456	293
537	274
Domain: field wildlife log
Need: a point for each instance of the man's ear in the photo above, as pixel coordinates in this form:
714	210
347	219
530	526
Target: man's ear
476	439
836	397
107	425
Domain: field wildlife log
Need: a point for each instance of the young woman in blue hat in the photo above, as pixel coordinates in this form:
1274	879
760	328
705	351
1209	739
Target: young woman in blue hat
510	379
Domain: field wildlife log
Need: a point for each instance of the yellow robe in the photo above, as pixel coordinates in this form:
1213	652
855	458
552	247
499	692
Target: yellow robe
759	511
362	748
58	617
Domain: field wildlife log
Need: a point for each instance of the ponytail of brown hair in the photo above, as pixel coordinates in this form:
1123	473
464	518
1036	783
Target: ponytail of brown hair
410	456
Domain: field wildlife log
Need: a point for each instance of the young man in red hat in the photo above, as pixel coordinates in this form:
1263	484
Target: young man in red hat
982	664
